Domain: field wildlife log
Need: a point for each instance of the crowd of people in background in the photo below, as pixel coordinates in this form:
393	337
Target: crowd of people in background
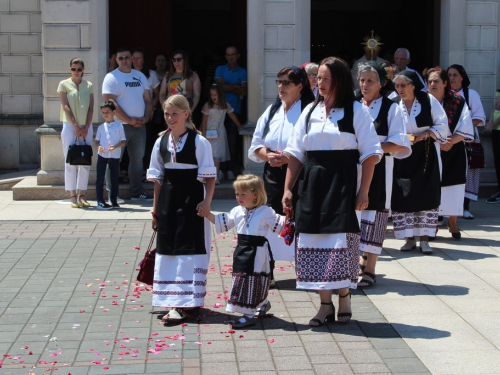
344	149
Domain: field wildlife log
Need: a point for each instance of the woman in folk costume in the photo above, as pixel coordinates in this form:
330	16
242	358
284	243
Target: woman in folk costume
270	138
255	223
332	136
459	81
181	166
453	155
416	188
388	122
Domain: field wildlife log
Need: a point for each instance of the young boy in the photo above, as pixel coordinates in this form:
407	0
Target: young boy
109	138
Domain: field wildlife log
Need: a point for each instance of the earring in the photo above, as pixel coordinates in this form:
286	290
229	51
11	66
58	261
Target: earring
255	200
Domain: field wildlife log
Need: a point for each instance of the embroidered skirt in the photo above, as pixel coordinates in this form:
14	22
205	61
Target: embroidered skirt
410	224
181	280
373	228
327	261
472	184
249	290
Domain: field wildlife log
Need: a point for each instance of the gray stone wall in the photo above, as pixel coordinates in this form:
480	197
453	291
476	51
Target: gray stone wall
20	57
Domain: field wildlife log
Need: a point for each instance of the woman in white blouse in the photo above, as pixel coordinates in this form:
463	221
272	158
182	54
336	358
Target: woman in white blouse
453	156
270	138
388	122
181	161
330	138
416	189
459	81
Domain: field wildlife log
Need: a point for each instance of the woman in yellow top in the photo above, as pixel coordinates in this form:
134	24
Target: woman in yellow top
77	109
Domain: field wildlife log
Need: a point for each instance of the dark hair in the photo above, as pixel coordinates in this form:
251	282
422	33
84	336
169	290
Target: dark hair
342	88
443	74
77	60
221	95
108	104
186	72
122	49
162	54
145	65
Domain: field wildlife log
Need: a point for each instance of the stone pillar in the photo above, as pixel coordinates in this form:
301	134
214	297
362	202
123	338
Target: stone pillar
279	35
71	28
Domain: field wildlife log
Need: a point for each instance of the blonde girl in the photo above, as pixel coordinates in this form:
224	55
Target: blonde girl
212	125
253	221
184	174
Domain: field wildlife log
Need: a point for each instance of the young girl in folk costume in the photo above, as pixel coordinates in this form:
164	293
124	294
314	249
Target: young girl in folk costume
180	162
254	221
212	125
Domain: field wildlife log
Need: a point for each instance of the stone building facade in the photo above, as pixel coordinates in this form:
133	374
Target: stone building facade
39	37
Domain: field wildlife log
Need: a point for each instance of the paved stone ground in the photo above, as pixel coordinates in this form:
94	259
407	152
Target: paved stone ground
69	303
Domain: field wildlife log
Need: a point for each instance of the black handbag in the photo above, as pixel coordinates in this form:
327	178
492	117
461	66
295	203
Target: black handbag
79	154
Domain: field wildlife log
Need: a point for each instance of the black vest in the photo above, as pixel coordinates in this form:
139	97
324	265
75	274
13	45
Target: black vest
188	153
380	123
345	123
424	118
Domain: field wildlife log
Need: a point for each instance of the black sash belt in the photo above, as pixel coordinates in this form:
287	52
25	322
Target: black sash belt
244	254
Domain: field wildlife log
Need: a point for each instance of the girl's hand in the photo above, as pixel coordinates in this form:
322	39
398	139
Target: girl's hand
361	201
203	208
154	224
287	200
446	146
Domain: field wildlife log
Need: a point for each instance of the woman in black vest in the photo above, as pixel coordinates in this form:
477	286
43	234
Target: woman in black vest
332	136
180	162
416	189
271	136
453	156
459	81
388	121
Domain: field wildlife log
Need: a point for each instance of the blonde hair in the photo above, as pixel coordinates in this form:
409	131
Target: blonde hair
254	184
180	102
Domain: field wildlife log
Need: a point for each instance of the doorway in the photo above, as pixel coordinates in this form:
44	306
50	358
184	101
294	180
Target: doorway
410	24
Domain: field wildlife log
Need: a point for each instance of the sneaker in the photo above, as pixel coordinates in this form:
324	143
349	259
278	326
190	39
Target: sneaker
467	215
440	221
409	245
230	175
142	197
104	206
221	175
495	198
118	200
115	206
425	248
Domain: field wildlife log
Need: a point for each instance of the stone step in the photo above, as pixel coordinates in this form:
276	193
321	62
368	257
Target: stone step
28	189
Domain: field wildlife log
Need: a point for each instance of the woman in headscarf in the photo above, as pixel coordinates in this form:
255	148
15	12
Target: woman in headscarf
459	81
416	188
388	121
333	140
271	136
453	156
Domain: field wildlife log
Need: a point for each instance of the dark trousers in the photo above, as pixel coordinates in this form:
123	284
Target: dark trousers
495	145
114	169
235	145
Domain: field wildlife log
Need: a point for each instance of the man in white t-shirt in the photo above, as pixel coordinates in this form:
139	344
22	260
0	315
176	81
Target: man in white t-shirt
129	89
402	59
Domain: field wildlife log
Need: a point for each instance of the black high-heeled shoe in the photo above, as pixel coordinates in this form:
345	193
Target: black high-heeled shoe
328	318
455	235
347	314
362	266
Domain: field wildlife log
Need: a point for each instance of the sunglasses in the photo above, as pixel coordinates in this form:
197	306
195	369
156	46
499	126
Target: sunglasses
124	58
312	75
76	69
177	59
284	82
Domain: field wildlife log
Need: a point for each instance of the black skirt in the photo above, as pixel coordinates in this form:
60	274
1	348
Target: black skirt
376	194
180	229
416	185
274	183
454	165
327	193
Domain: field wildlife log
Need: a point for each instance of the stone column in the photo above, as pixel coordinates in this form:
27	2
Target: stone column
71	28
279	35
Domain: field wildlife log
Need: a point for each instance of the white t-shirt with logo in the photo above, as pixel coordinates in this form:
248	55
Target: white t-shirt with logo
110	134
129	90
